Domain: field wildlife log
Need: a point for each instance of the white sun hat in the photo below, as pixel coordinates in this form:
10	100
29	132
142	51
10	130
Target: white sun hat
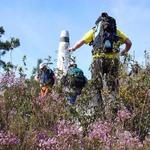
42	65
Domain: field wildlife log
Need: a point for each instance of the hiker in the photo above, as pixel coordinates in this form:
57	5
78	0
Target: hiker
46	78
73	81
106	39
135	69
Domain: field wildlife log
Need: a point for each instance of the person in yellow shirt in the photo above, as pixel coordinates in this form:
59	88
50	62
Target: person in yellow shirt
104	63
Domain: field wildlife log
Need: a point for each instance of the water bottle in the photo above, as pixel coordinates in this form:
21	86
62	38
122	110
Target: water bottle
107	44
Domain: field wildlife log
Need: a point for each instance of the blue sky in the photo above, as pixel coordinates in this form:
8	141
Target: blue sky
38	23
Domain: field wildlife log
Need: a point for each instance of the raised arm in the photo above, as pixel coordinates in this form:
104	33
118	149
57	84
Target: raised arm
77	45
128	45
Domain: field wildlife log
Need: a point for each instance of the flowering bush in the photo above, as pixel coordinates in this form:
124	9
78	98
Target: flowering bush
28	121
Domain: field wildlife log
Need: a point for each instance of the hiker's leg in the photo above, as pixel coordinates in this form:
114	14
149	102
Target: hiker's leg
96	71
115	73
97	84
112	76
43	91
71	95
46	90
71	99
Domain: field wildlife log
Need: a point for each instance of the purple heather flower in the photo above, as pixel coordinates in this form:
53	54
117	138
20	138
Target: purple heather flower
123	114
8	139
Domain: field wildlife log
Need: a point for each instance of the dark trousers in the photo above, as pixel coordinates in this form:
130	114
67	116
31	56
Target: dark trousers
72	94
108	68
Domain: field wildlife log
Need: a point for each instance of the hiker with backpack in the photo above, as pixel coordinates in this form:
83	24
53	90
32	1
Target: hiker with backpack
106	39
46	78
135	70
73	81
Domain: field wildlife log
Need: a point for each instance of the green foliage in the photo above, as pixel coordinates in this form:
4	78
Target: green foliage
36	69
134	94
8	66
7	46
2	31
85	125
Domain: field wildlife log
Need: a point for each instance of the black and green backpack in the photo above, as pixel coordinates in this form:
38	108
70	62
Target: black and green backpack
106	34
76	77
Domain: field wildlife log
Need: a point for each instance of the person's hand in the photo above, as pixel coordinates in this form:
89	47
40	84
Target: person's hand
71	49
123	53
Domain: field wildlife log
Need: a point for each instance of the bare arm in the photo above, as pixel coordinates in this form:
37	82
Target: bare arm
77	45
128	45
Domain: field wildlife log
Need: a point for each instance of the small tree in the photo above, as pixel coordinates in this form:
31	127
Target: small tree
6	46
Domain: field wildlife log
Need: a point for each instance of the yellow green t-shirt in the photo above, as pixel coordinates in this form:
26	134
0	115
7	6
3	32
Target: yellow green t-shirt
90	35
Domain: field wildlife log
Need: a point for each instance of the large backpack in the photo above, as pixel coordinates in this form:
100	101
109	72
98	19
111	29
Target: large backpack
76	77
47	77
106	34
